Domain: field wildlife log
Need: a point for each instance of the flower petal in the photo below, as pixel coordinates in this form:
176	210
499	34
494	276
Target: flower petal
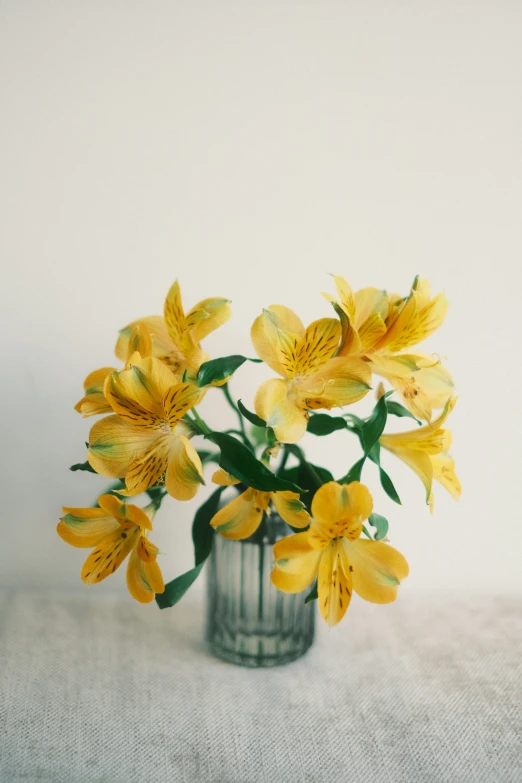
185	471
291	509
179	399
313	349
417	461
288	420
148	468
378	569
334	583
224	479
296	563
346	297
162	346
94	401
114	444
341	381
371	331
144	579
242	516
444	472
338	507
367	302
109	555
415	322
124	512
266	334
217	310
174	314
85	527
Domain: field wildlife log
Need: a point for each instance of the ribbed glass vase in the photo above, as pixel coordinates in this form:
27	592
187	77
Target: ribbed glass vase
249	622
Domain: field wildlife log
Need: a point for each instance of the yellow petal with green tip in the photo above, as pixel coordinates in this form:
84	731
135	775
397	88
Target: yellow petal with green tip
224	479
185	471
291	509
296	563
377	569
86	527
114	444
144	579
242	516
273	404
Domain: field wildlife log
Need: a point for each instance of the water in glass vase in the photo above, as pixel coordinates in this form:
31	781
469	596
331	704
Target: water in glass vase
249	621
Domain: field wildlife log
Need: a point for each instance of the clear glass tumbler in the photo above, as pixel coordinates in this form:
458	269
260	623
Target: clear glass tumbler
249	622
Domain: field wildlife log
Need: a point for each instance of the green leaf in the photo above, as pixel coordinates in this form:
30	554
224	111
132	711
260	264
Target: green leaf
312	595
82	466
202	537
176	589
396	409
380	524
386	482
202	531
369	433
374	426
354	474
253	418
238	460
217	370
323	424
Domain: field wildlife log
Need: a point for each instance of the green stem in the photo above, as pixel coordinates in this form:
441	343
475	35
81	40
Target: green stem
204	428
284	460
243	432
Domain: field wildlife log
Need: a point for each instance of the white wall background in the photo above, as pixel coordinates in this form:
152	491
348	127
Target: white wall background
250	148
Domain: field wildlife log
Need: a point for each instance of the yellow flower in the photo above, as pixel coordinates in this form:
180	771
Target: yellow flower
176	337
94	401
115	529
333	551
311	378
425	450
242	516
378	327
145	441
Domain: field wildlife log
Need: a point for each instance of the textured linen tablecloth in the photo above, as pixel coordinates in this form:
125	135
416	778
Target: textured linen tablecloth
96	688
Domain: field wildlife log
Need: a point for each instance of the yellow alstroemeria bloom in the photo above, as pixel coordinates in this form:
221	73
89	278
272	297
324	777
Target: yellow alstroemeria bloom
115	529
146	439
333	550
176	336
311	378
379	328
241	517
425	450
94	401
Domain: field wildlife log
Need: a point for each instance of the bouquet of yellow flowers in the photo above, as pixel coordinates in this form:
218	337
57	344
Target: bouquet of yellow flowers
149	441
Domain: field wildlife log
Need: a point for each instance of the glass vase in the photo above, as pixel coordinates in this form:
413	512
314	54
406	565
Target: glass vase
249	622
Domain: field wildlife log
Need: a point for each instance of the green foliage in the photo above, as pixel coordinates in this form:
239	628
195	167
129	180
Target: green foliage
396	409
202	536
202	530
218	370
323	424
176	589
238	460
253	418
369	432
312	595
82	466
380	524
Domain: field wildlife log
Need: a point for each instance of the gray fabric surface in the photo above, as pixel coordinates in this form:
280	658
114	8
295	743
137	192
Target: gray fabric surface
96	688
